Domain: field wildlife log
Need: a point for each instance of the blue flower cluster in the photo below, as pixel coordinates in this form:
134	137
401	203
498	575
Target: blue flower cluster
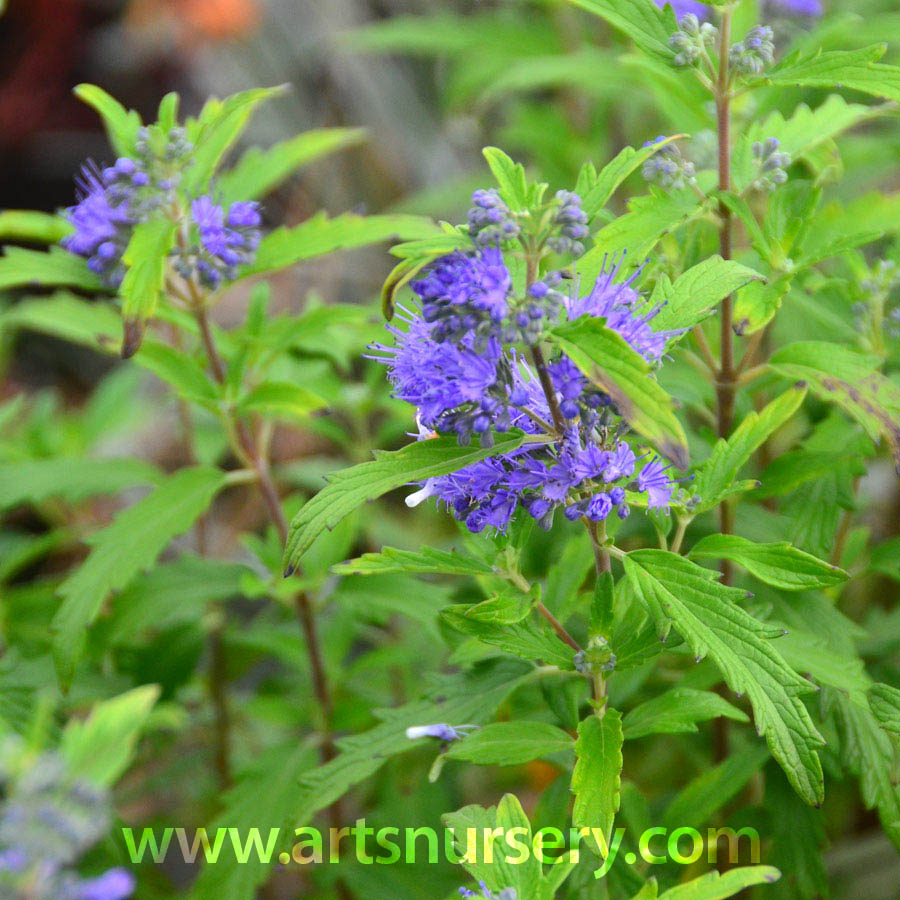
572	224
667	167
459	360
112	201
226	241
47	821
491	221
756	51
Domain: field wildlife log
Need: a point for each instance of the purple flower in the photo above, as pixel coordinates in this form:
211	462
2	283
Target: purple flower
103	218
441	730
114	884
226	242
620	304
655	482
683	7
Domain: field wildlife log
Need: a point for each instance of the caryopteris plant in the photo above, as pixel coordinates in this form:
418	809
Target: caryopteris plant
636	563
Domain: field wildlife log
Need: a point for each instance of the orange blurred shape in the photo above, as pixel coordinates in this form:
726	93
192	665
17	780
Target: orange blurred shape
193	20
220	19
541	774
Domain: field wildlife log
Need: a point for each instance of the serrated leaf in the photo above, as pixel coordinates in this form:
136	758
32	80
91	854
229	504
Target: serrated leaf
885	703
868	753
71	478
220	124
606	358
119	551
121	124
779	564
258	172
716	477
524	639
426	560
348	489
100	748
37	268
596	779
320	235
637	232
697	291
504	608
756	305
510	743
854	69
716	886
596	188
510	177
849	379
679	593
645	23
677	711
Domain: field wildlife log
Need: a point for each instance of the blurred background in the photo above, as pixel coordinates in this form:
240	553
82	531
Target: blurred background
432	82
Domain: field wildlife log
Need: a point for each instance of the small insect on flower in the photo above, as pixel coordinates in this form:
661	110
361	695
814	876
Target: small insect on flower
441	730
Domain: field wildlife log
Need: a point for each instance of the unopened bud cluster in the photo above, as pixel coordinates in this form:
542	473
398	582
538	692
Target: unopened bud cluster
572	223
691	39
772	163
668	168
491	222
756	51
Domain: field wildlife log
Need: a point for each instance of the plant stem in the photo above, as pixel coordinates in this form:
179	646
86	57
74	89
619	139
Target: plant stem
726	377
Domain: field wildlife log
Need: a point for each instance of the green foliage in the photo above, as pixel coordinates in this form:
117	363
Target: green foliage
510	743
119	551
607	360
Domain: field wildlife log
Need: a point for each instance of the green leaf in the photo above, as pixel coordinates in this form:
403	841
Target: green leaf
853	69
868	753
426	560
637	232
778	564
145	258
179	370
36	268
695	293
596	779
607	359
596	188
680	593
647	25
121	124
282	399
70	478
677	711
510	178
100	748
756	305
33	227
258	172
885	702
697	803
132	542
220	124
510	743
849	379
320	235
171	594
505	609
802	133
524	639
348	489
716	477
716	886
167	114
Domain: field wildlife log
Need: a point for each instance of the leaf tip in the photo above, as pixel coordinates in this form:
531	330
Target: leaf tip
133	335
